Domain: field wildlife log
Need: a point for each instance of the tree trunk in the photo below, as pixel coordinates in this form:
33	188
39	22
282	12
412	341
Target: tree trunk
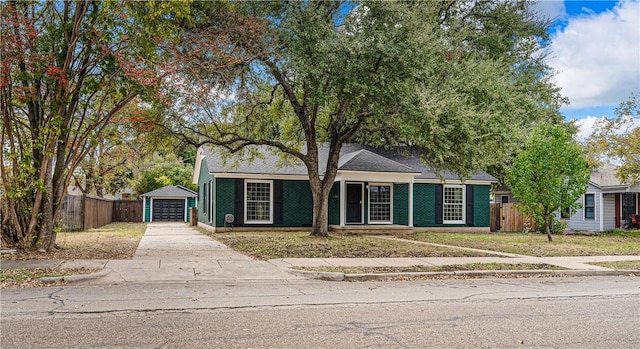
320	225
46	223
546	227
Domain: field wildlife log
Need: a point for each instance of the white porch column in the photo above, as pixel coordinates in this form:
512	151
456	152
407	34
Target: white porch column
601	198
342	203
411	203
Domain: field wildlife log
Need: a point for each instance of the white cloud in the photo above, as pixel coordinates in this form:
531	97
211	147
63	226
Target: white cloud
553	10
588	124
586	127
597	56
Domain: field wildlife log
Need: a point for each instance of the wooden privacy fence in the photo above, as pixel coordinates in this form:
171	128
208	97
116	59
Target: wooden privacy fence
127	211
86	212
506	217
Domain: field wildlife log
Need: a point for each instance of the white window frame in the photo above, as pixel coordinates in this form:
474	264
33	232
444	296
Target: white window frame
463	204
390	185
584	207
270	221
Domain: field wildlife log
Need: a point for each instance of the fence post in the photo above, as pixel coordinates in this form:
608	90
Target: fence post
194	216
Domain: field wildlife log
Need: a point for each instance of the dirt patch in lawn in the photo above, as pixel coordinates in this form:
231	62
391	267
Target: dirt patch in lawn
532	244
302	245
28	278
112	241
441	268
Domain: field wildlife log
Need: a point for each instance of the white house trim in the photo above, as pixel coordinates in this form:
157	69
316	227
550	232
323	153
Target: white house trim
258	176
390	185
270	221
464	200
452	182
343	205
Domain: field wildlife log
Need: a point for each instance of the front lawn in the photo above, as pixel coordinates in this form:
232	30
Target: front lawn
112	241
534	244
625	265
302	245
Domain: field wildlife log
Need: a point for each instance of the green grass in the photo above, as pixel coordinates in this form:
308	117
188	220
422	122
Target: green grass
534	244
630	265
302	245
29	277
441	268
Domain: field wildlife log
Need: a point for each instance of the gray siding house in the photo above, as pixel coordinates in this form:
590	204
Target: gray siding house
607	204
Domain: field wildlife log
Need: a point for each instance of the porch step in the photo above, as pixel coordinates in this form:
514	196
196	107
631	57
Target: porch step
372	229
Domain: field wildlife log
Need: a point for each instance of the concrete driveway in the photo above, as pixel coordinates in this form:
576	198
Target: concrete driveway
176	252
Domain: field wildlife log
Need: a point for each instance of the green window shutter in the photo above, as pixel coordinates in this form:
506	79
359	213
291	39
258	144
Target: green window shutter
469	198
239	202
439	204
277	202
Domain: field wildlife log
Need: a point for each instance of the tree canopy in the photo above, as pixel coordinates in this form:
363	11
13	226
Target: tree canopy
618	140
549	175
461	81
68	68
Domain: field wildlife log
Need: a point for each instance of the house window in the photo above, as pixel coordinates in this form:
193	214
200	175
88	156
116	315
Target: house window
453	205
589	206
259	201
380	203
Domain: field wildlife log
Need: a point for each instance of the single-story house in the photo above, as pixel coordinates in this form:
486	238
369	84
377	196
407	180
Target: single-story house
168	204
607	204
374	189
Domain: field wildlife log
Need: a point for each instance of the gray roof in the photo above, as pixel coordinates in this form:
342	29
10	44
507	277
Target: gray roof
365	160
605	176
176	191
353	157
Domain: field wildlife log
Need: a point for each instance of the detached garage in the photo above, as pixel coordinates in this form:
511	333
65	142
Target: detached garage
168	204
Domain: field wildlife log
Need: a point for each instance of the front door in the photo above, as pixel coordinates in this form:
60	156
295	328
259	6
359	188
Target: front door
354	203
628	206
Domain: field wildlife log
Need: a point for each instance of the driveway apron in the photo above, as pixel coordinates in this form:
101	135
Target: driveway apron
176	252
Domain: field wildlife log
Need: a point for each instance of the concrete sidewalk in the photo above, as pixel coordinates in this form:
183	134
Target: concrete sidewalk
174	252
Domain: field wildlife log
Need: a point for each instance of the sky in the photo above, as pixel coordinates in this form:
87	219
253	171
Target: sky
595	51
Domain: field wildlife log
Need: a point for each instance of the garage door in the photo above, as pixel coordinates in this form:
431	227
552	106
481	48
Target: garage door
169	210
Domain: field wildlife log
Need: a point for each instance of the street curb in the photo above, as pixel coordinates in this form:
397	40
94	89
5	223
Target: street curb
319	275
74	278
337	276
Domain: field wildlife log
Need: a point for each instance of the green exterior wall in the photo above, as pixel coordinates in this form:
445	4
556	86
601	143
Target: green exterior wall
297	204
481	206
424	210
225	199
401	204
147	209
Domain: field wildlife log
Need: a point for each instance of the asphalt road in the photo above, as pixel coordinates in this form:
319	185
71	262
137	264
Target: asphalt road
591	312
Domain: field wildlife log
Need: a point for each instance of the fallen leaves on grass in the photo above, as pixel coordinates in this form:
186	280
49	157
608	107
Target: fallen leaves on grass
442	268
28	278
113	241
266	246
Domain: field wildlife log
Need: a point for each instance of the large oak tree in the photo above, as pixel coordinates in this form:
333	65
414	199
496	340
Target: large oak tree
459	80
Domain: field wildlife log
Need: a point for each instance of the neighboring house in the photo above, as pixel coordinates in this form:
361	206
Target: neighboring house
122	194
502	195
374	189
168	204
607	204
